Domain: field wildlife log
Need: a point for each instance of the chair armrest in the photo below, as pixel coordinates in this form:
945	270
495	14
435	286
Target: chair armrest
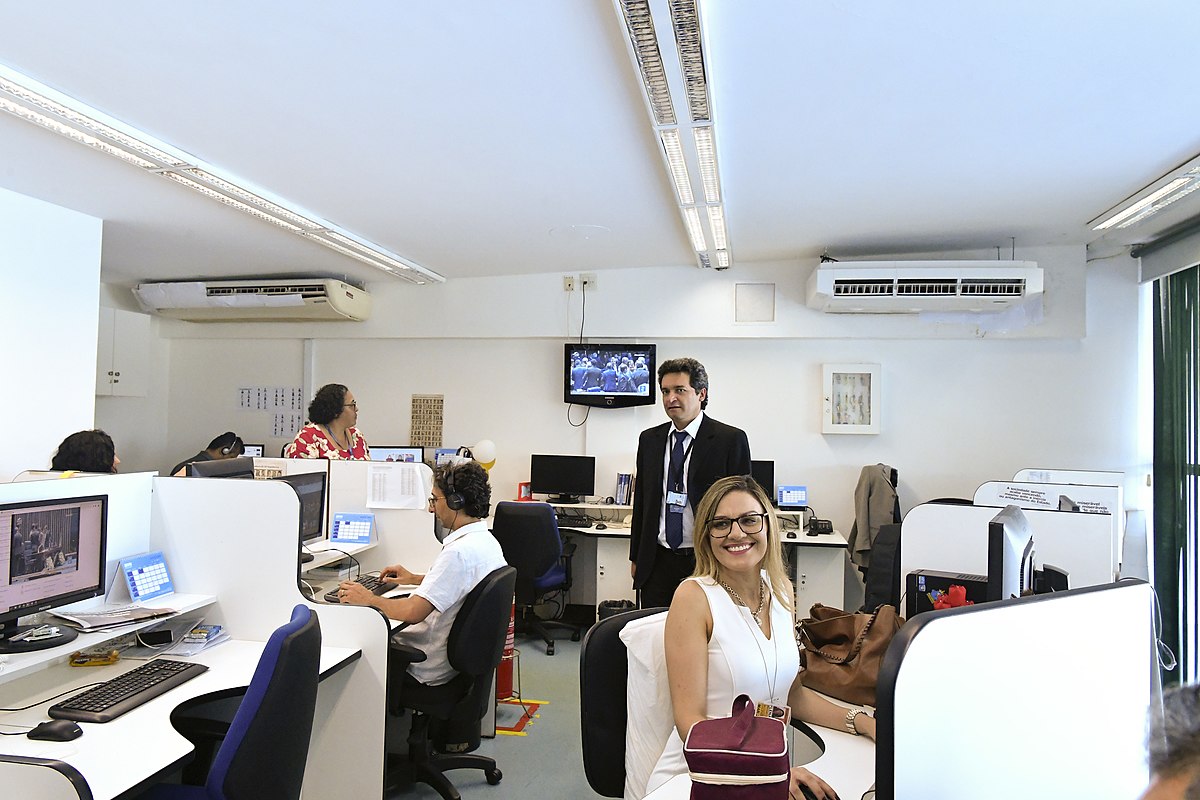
404	653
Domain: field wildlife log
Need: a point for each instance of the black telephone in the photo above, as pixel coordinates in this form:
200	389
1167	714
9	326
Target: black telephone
816	525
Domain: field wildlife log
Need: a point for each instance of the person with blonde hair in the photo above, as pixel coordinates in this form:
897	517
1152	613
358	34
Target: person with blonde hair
731	630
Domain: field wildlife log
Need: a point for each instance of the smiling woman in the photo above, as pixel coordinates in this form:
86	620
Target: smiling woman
730	630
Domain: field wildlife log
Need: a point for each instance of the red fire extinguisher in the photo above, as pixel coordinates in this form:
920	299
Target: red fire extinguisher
504	672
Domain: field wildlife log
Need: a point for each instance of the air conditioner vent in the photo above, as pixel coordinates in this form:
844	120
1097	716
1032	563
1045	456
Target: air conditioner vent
280	300
304	289
910	287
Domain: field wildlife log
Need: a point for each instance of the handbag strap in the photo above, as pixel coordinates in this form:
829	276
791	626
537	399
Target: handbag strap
854	649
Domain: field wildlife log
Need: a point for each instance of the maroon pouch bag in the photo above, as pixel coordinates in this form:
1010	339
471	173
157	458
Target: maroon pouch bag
739	757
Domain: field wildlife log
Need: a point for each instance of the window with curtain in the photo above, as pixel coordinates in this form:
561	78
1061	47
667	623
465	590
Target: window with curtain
1177	463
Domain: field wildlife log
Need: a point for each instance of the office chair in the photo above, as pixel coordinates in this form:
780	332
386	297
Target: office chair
265	749
528	534
474	647
603	674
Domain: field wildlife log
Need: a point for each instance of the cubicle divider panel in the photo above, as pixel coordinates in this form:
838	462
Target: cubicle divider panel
238	539
953	538
41	778
128	508
1033	697
405	535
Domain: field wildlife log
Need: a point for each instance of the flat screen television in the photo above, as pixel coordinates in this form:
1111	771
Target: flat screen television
55	557
568	479
241	467
610	375
1010	555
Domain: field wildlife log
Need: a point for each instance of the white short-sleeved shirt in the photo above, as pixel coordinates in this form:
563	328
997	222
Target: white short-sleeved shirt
468	555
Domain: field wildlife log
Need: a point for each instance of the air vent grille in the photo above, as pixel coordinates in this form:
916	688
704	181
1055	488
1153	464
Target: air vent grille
930	287
1003	287
303	289
863	288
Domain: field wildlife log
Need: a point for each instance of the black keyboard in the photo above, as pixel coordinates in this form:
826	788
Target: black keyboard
374	583
573	520
111	699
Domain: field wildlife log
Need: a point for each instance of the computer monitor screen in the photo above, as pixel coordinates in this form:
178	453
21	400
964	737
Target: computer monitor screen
52	554
442	455
252	450
411	455
763	473
241	467
568	478
1010	555
310	488
610	375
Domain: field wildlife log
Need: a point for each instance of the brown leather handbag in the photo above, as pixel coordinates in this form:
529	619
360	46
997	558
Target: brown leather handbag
843	650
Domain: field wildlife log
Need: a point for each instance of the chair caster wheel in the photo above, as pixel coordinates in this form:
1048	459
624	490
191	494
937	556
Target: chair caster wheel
549	649
575	637
493	776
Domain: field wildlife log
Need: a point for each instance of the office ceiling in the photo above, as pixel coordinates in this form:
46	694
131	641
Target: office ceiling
491	138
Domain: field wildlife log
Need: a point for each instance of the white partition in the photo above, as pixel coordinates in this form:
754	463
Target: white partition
1022	698
953	538
405	536
237	539
1071	476
1051	496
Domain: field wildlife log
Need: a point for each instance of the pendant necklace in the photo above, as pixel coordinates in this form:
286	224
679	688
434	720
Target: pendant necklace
772	680
762	596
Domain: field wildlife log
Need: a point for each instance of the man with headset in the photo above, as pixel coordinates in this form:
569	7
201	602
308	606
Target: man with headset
459	501
227	445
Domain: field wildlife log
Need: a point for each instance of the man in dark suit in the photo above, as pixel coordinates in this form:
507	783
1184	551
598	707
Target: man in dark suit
676	464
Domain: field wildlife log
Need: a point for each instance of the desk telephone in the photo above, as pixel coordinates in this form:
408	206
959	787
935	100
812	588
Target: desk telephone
817	526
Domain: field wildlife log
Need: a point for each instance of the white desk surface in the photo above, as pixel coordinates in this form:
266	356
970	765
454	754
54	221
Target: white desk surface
848	765
116	756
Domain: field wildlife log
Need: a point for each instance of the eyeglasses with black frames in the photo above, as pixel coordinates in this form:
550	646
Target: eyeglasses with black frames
720	527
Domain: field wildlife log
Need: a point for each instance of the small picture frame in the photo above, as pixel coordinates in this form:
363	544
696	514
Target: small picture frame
850	398
524	490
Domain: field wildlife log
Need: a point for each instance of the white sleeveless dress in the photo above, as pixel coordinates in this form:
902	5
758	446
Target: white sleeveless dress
741	660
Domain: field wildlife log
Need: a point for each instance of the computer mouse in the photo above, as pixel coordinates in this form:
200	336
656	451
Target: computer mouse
56	730
600	526
791	534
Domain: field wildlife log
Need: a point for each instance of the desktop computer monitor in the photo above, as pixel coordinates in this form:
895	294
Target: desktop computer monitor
310	489
1010	555
53	554
252	450
568	478
408	455
763	473
441	455
241	467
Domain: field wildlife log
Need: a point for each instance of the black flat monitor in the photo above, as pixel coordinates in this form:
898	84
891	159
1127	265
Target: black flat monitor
241	467
568	479
610	375
310	489
763	473
1010	555
407	455
54	551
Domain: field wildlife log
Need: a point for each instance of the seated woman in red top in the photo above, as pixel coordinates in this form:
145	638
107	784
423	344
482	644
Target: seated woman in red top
330	432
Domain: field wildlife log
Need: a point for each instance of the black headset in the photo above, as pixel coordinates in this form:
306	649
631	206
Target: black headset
454	498
236	444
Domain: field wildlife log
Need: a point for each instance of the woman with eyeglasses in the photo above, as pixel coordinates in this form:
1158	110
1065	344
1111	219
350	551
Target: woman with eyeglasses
330	432
731	630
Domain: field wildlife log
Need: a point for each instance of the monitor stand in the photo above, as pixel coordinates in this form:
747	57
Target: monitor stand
306	556
565	499
11	643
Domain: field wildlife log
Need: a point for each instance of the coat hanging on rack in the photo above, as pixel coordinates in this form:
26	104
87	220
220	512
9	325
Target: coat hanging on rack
875	503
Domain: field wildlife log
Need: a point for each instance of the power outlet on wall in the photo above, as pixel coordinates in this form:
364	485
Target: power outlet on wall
568	283
587	280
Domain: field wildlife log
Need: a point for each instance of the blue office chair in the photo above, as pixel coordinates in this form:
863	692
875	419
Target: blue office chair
528	534
265	750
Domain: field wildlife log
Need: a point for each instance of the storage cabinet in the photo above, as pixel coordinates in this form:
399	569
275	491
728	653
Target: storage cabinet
122	353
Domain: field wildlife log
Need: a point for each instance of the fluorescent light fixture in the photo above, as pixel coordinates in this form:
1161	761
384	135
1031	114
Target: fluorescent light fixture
1155	202
691	161
24	97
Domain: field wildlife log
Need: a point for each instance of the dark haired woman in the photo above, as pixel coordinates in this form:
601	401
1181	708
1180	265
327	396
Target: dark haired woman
86	451
330	432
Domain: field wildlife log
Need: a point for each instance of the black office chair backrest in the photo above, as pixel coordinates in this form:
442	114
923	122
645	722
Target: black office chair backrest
476	639
264	754
528	535
603	673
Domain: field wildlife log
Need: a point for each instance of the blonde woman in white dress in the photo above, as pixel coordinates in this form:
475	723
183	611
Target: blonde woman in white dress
731	629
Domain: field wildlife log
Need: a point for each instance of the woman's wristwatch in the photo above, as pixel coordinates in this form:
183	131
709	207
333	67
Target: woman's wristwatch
850	715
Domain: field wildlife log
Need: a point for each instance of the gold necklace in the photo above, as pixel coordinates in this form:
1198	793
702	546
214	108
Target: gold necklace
762	596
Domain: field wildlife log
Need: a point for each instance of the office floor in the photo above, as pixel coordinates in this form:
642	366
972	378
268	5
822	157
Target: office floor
547	762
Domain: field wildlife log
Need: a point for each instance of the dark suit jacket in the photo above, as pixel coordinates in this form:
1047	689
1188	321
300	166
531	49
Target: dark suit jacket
720	450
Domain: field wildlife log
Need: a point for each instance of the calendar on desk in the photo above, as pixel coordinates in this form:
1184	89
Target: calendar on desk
146	576
351	528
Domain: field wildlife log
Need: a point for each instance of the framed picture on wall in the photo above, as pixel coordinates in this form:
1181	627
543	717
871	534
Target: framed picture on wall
850	398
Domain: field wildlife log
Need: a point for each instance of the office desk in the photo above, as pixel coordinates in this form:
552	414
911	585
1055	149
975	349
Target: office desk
136	748
848	765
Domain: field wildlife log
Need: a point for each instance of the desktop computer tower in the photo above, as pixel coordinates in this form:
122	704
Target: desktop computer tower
921	583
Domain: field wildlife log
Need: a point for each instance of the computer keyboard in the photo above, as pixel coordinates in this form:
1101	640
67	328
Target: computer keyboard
373	583
122	694
573	520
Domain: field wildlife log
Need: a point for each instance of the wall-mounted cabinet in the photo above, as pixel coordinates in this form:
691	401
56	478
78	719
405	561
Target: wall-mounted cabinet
122	353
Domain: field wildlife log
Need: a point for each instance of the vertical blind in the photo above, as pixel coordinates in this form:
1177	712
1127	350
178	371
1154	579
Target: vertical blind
1177	463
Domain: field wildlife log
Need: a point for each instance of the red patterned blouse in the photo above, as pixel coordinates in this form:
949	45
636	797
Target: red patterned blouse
313	442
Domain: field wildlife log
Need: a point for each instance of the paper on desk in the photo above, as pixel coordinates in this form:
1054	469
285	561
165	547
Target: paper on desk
394	484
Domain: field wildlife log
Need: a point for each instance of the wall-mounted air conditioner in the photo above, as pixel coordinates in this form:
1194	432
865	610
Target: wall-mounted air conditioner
291	300
911	287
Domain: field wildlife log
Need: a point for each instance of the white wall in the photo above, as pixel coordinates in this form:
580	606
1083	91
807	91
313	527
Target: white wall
50	263
960	405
